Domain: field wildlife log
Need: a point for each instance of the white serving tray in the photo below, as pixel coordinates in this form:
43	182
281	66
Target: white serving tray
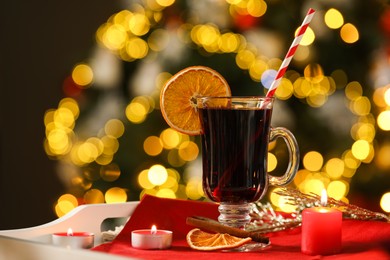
35	243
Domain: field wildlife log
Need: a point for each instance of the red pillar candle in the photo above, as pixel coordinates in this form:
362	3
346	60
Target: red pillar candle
321	230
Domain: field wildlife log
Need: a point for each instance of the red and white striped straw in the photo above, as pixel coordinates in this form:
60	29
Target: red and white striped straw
290	53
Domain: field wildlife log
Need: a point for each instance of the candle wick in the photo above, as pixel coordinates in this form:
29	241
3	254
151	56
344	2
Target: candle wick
324	198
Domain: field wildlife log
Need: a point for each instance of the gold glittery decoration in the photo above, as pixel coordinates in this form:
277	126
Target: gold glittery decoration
265	219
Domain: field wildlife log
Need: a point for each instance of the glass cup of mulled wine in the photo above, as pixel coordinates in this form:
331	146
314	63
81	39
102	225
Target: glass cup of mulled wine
236	132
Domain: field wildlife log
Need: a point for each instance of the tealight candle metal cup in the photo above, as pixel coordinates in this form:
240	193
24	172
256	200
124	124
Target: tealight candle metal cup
73	240
151	239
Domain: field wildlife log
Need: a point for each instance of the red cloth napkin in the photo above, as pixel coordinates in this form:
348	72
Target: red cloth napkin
361	239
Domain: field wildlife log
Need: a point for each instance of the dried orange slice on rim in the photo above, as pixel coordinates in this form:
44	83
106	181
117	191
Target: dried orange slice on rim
200	240
178	96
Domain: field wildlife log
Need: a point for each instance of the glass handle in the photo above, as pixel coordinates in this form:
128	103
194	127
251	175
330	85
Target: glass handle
293	151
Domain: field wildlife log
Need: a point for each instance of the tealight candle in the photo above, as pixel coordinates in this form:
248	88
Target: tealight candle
321	229
151	238
73	240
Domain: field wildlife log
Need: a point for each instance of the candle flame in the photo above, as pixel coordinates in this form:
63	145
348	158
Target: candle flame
153	231
324	198
70	232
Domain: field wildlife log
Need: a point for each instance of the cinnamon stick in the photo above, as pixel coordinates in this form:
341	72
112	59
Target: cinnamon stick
215	226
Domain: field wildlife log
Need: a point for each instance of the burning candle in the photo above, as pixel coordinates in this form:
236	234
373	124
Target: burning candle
73	240
151	238
321	229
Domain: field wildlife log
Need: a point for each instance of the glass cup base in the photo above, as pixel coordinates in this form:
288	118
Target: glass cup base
234	214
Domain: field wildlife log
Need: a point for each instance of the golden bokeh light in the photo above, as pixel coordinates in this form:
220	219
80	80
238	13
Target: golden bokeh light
364	131
170	138
69	198
114	127
143	180
139	24
115	195
361	149
353	90
361	106
166	193
63	118
58	141
245	58
174	174
122	18
349	33
257	69
111	145
165	3
229	42
137	48
87	152
63	207
334	168
65	204
383	120
312	185
317	100
385	202
313	161
337	189
382	157
256	8
174	158
157	174
82	75
386	96
308	38
285	89
302	88
113	36
333	18
136	112
71	105
147	191
378	97
188	151
93	196
153	145
272	162
171	183
194	188
301	176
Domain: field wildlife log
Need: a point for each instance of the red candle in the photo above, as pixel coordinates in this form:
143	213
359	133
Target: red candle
321	229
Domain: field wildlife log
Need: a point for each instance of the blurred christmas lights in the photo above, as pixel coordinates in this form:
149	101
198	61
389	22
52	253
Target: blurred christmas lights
138	34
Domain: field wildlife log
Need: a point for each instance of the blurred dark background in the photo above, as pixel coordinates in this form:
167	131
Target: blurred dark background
40	43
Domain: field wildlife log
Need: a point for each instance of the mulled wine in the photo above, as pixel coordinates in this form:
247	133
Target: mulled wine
235	147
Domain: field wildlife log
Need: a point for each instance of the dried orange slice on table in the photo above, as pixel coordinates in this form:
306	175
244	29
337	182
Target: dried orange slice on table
178	96
200	240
